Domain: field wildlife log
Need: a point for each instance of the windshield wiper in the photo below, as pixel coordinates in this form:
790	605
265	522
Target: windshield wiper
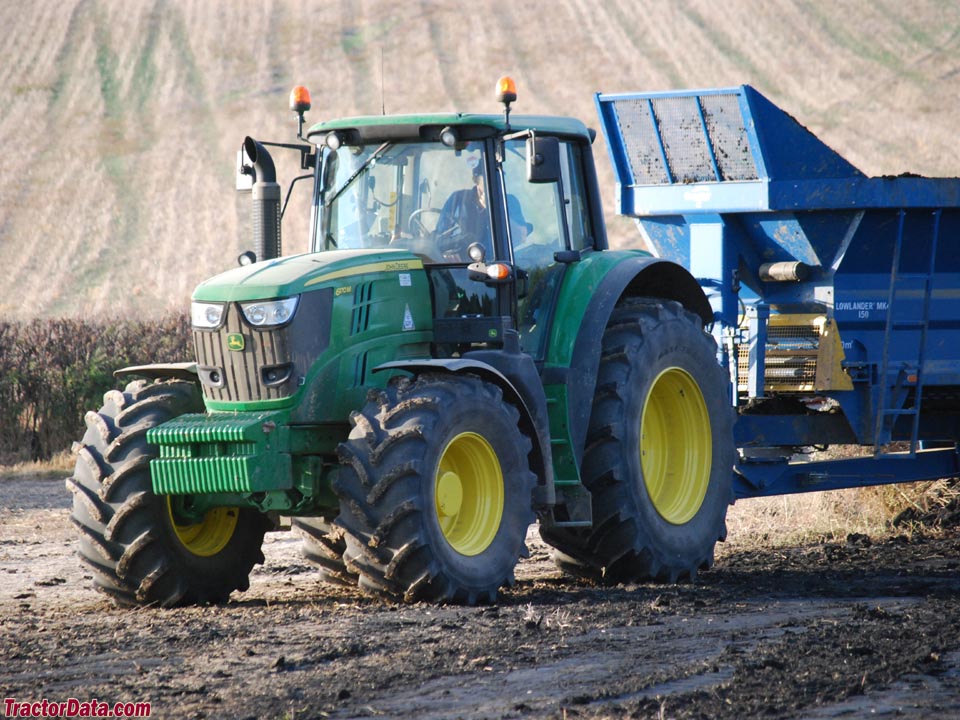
366	163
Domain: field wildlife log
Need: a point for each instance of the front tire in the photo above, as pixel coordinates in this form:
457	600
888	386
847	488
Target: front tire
660	451
435	490
132	539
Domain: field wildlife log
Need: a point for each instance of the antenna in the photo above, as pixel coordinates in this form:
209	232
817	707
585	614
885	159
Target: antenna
383	107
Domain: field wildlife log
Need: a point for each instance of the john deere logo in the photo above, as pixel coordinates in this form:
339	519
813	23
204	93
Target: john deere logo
235	341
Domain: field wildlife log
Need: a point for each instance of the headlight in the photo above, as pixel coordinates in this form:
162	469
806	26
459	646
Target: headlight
206	315
269	313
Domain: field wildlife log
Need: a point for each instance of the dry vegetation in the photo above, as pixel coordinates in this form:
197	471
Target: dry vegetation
121	120
53	371
823	516
59	466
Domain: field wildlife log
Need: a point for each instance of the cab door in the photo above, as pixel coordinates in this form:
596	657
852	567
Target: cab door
549	225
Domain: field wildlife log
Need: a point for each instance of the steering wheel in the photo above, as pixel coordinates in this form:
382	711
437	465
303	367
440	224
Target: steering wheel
415	221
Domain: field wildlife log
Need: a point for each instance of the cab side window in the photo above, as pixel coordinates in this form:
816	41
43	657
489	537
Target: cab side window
534	209
575	196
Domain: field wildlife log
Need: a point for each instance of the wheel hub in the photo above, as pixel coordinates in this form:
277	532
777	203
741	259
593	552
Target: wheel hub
468	493
449	494
209	536
676	445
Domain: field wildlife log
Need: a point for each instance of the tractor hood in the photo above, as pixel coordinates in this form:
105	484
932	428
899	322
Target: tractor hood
295	274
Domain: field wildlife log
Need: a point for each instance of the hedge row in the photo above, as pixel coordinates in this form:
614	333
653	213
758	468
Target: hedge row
53	371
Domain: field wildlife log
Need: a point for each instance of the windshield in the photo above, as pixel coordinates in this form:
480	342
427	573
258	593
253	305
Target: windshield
424	197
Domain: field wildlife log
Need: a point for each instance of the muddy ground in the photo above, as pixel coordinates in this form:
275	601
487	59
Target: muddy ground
867	627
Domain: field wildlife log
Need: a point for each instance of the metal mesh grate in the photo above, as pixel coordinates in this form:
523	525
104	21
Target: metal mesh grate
640	140
729	138
795	337
683	139
677	123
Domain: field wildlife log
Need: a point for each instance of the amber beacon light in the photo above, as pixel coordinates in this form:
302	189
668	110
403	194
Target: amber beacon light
506	90
299	103
506	93
299	99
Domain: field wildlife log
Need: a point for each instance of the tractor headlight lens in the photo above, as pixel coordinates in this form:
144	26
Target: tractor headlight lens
206	315
269	313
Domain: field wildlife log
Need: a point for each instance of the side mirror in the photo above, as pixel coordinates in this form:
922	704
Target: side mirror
543	159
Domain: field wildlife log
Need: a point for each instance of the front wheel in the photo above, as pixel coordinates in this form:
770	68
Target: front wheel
435	490
141	547
660	451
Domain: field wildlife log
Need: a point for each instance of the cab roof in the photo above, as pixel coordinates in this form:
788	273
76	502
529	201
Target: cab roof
428	126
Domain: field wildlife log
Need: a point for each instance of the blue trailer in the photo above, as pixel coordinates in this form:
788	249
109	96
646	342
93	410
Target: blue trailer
836	296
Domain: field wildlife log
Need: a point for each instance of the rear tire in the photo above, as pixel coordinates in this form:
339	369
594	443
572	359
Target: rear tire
435	490
659	454
129	536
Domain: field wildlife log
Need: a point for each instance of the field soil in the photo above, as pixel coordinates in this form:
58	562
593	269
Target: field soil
856	628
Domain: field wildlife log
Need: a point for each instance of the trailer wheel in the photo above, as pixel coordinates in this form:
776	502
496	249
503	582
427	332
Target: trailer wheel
435	490
324	545
659	453
140	550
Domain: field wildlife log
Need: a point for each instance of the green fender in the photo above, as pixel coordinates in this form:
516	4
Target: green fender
591	289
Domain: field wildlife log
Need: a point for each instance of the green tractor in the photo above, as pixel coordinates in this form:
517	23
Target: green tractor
459	355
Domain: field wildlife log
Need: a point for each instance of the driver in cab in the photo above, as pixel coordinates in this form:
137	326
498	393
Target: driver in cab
464	219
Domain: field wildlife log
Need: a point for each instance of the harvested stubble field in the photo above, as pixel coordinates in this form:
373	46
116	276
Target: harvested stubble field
120	121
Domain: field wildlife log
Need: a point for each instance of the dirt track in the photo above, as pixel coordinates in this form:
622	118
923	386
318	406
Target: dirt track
822	631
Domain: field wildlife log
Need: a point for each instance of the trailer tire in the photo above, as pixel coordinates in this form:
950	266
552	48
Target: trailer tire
139	554
435	490
324	545
659	453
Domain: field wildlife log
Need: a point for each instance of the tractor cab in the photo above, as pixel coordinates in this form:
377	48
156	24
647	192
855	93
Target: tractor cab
494	208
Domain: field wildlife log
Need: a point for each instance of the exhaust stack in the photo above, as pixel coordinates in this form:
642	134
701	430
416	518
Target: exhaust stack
266	201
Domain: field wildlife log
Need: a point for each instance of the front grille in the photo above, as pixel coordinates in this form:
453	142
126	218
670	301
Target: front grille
235	375
272	363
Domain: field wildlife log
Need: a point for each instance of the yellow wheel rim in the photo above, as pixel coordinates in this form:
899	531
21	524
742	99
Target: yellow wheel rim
209	536
468	494
676	446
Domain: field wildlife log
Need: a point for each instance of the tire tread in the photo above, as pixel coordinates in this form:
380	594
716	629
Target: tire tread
116	513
